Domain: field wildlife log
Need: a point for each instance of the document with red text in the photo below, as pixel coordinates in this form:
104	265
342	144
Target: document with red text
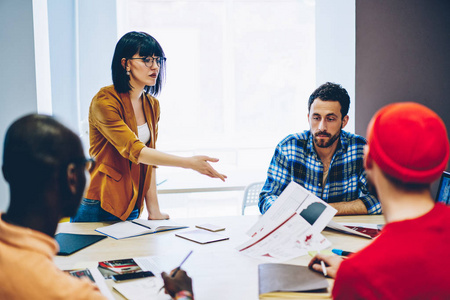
291	226
295	198
292	238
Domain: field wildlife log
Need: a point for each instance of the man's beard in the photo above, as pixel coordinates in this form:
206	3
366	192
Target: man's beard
323	143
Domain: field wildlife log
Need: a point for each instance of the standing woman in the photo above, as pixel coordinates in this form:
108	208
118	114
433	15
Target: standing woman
123	127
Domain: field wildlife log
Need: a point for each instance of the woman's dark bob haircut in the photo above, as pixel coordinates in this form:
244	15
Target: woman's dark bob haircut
144	45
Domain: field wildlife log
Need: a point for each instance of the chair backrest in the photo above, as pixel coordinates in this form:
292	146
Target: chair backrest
251	195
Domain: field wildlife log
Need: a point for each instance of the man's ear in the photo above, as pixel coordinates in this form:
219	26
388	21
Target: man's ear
368	162
72	178
344	121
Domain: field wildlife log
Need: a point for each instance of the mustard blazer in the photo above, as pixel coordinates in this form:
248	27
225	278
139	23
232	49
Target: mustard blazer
118	181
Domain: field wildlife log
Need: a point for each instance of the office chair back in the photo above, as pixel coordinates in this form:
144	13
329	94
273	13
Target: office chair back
251	195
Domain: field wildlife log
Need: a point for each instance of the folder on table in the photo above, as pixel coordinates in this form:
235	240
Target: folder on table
70	243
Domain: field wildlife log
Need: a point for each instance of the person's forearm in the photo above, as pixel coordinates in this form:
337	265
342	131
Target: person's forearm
199	163
151	198
151	201
355	207
150	156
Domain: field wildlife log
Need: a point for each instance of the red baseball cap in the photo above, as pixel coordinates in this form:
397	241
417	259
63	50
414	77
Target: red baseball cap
409	142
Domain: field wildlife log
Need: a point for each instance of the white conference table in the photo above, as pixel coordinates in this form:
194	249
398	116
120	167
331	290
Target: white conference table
218	270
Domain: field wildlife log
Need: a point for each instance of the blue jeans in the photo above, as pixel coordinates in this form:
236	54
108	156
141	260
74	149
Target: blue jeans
91	211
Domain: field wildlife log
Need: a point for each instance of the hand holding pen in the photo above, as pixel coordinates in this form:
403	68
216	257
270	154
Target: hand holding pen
178	280
328	264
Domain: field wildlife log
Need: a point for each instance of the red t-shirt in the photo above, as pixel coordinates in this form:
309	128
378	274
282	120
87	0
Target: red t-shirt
408	260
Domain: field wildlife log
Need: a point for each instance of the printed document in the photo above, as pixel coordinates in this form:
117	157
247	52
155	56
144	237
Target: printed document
291	226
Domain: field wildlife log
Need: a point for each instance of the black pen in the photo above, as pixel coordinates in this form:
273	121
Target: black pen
341	252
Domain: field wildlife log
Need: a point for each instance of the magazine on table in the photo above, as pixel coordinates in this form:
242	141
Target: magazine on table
146	288
369	231
119	266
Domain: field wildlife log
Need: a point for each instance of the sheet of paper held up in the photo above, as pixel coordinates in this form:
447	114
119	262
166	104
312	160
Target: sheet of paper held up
292	238
294	198
291	226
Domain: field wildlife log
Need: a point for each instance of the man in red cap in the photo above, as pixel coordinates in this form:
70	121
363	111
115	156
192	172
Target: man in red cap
407	149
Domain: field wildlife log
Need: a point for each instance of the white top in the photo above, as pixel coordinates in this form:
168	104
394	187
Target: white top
143	133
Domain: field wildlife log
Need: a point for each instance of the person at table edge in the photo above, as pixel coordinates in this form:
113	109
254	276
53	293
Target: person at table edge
326	160
407	150
45	167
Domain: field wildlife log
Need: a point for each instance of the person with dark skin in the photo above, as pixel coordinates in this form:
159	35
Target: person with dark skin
45	167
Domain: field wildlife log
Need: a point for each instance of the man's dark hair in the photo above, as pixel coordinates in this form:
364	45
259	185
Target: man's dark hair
331	92
36	149
130	44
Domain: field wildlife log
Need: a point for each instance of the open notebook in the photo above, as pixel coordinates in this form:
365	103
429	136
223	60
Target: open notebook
137	227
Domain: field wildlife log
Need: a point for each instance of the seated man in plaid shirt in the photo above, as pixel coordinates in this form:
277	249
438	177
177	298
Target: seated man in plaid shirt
325	160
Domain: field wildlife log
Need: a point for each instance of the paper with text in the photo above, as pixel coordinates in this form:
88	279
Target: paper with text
292	238
294	198
142	289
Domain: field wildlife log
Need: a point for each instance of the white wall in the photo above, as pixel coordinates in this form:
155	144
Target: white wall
82	35
17	74
335	47
63	59
79	40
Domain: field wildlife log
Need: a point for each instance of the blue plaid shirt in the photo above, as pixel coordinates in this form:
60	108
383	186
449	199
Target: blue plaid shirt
295	159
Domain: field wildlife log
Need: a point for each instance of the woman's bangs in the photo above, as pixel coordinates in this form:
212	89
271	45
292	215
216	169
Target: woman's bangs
150	48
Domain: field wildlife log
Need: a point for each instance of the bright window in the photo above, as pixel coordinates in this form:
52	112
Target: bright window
239	73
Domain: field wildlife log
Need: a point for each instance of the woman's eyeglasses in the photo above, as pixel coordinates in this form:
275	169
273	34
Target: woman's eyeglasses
148	60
